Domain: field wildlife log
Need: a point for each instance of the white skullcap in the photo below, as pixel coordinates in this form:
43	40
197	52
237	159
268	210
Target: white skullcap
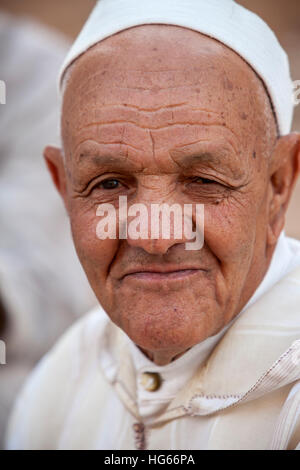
224	20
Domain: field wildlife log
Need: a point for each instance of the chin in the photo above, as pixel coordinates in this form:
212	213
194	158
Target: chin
162	332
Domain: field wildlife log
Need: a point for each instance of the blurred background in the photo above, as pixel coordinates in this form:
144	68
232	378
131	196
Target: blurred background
42	286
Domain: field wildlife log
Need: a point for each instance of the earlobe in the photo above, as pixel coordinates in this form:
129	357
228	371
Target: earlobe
55	162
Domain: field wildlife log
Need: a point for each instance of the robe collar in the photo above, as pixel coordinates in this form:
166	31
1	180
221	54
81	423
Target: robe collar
258	354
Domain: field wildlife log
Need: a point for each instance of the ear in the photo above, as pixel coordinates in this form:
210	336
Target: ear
55	162
284	170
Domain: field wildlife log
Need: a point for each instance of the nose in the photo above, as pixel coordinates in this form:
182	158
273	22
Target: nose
155	228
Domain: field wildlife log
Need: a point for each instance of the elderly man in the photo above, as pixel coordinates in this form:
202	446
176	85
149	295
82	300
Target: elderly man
178	103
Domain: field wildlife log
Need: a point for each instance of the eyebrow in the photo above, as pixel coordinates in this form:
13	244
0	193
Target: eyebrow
117	161
192	154
197	153
186	161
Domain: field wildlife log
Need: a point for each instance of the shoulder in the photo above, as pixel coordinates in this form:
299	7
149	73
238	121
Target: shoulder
43	401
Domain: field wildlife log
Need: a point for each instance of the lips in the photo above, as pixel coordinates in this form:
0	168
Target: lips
159	273
152	275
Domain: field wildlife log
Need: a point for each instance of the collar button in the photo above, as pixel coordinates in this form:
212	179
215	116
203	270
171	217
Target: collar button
151	381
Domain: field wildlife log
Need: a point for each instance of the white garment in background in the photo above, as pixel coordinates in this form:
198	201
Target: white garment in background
42	283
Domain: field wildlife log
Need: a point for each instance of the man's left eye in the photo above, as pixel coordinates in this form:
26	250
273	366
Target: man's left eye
200	180
111	183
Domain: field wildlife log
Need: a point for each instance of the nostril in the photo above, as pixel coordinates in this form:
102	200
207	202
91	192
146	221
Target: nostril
154	246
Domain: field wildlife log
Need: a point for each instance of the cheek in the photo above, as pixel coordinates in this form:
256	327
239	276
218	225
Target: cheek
230	231
95	255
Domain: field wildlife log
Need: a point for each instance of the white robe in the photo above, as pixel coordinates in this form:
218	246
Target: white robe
237	390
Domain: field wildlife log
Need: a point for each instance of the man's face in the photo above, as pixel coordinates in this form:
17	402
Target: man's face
162	114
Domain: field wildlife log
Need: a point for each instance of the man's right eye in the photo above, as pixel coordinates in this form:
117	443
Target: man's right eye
111	183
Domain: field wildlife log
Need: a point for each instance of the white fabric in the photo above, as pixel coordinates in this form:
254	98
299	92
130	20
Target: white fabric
224	20
251	366
286	258
174	375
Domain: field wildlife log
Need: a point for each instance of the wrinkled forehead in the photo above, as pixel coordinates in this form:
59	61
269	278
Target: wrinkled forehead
156	67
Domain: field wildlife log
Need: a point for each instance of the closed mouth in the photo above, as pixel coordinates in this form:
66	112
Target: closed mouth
159	275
